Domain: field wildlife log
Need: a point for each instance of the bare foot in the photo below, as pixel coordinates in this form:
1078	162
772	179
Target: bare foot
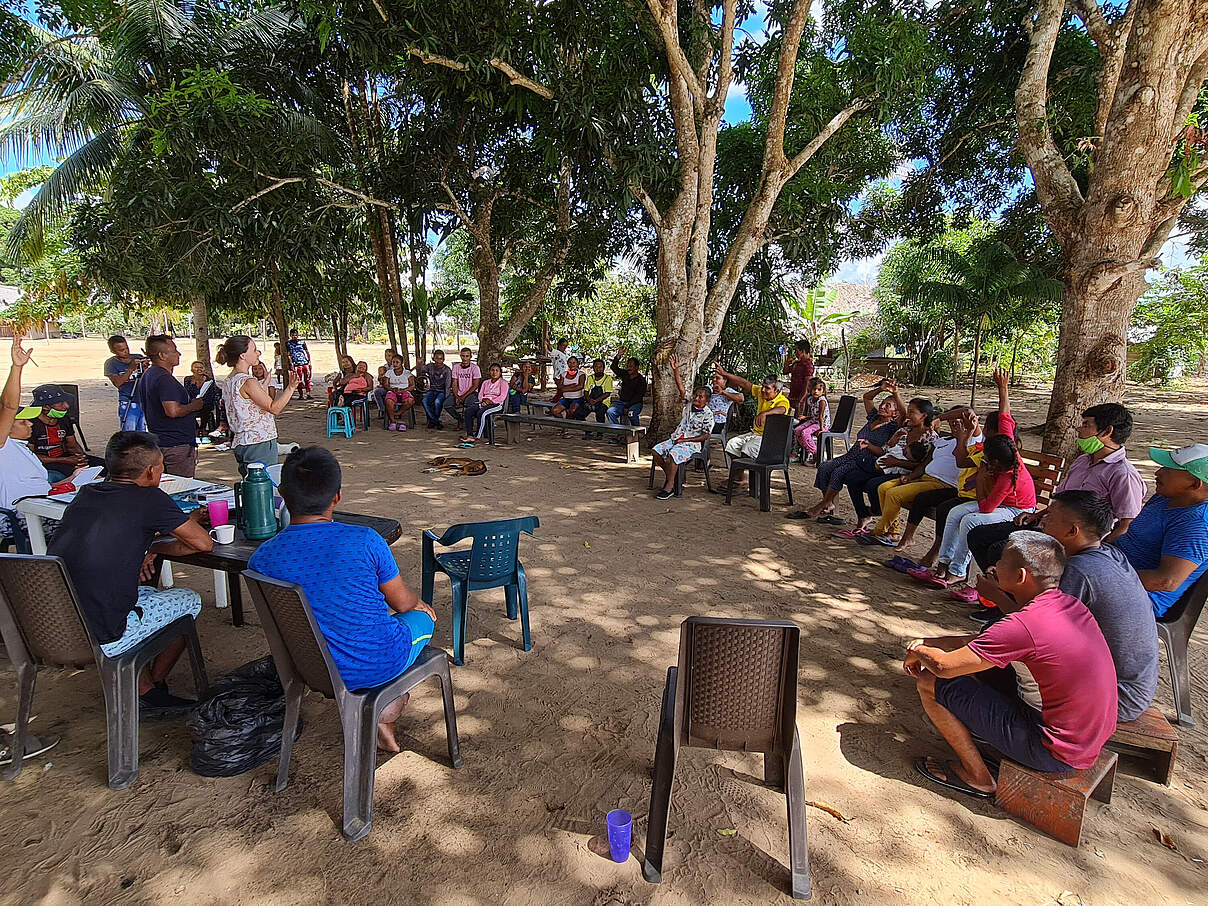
815	511
387	741
939	768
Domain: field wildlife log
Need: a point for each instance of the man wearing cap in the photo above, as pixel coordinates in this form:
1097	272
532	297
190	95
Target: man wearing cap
1167	544
51	437
171	415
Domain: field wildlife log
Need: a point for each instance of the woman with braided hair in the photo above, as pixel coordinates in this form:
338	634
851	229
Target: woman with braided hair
1004	490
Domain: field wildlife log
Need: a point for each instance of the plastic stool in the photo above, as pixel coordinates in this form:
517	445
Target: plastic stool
339	421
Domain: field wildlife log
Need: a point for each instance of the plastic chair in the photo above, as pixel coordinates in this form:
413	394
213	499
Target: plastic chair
17	536
735	689
303	660
361	405
775	453
42	625
73	411
492	562
339	421
841	427
1174	629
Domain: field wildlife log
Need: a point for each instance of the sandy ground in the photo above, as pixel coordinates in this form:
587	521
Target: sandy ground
554	738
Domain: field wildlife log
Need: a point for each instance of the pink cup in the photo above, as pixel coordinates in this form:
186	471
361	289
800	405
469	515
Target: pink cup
219	512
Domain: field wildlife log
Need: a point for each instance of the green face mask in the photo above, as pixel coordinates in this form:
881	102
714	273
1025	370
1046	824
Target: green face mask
1091	445
55	413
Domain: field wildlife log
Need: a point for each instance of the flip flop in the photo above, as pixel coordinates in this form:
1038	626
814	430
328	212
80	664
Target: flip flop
953	782
927	577
901	564
830	519
966	595
798	514
846	534
34	746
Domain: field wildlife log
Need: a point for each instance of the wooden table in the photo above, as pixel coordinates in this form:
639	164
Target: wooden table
232	558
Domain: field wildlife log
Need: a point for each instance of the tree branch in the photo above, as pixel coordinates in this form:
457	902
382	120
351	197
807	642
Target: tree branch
518	78
277	184
725	72
666	18
1055	185
786	66
638	190
432	59
836	123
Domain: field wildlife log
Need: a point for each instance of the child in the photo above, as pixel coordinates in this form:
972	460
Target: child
356	387
815	416
399	384
1004	490
721	399
267	380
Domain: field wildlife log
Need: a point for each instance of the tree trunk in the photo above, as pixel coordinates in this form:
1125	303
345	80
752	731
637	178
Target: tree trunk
1014	356
956	352
335	337
976	364
201	331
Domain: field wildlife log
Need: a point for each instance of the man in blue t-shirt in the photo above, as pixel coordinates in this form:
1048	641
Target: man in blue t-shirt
171	415
1167	543
374	625
123	371
299	360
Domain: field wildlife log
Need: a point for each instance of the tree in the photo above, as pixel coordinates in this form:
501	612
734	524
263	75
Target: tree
1153	59
1170	325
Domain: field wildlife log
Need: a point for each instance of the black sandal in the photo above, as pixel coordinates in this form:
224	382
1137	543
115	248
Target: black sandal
830	519
953	781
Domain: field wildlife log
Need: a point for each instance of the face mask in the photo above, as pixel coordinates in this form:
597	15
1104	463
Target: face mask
56	413
1090	444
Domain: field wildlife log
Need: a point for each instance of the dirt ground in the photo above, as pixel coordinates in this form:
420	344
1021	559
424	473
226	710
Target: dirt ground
554	738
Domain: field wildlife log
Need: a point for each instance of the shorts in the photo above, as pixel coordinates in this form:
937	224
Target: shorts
679	453
420	627
1008	724
399	396
159	608
181	460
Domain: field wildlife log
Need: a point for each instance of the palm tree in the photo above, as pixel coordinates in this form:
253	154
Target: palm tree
82	97
987	286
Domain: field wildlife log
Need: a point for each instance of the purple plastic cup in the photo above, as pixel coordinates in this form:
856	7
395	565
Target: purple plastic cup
220	513
620	833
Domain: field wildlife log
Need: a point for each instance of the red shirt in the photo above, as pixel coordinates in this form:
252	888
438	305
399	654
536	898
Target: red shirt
799	376
1058	640
1002	493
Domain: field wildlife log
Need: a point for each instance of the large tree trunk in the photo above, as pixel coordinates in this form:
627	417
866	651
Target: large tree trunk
1154	59
201	331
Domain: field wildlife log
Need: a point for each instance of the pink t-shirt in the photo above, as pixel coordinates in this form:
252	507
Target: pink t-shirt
494	391
464	377
1058	640
1023	495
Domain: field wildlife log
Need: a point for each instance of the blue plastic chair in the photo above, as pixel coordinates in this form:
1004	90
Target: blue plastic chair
339	421
492	562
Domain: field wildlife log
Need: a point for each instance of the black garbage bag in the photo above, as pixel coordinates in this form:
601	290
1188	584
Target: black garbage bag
238	726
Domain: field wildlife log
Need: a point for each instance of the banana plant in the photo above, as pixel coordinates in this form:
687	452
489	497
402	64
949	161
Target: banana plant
807	312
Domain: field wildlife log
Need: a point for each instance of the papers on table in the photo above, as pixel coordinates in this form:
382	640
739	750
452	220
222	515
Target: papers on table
88	476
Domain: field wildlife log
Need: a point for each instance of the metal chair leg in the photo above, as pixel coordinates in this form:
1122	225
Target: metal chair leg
665	751
196	661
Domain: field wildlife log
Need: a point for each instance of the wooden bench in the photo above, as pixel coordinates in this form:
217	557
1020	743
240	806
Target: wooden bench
1046	471
1055	803
630	434
1151	739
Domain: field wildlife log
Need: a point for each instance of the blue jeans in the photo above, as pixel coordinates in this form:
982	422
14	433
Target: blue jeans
434	402
618	409
515	401
130	416
962	519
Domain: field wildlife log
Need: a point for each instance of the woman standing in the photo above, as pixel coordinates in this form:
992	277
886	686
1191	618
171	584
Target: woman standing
250	411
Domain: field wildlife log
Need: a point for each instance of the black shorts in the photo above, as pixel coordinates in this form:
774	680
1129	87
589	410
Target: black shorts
1008	724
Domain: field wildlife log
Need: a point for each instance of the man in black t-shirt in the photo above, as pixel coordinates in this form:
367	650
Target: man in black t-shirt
171	415
106	540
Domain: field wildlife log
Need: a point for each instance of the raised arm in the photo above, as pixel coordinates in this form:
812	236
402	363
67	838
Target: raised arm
1004	397
741	383
870	398
10	398
679	381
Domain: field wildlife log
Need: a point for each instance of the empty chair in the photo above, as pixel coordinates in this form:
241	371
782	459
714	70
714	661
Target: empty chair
339	421
42	625
1174	629
840	429
303	660
775	453
361	405
734	689
492	562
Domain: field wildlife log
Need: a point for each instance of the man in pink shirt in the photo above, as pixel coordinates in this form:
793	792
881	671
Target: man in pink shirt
466	378
1060	647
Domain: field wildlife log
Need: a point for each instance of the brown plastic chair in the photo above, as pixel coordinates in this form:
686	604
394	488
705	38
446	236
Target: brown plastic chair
303	659
1174	629
42	625
735	689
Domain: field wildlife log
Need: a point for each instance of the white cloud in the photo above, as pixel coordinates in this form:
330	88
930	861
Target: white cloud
859	270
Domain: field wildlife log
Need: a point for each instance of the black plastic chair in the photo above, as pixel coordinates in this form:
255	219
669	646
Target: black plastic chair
492	562
840	429
303	660
1174	629
73	411
17	536
42	625
702	456
775	454
735	689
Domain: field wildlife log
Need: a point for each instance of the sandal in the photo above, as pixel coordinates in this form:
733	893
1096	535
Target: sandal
966	595
951	779
901	564
830	519
34	746
846	534
927	577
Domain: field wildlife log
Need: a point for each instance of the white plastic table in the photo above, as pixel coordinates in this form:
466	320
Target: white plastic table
35	509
